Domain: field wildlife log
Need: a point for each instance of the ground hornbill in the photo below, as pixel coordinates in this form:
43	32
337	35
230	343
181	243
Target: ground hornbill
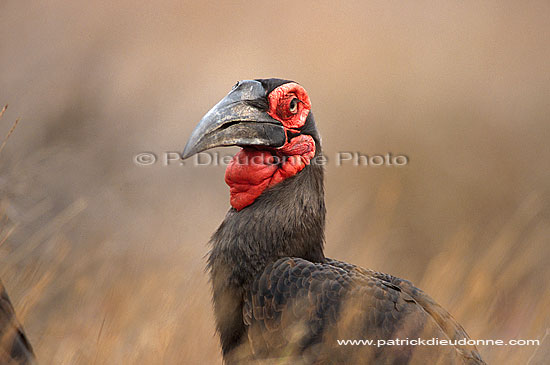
14	346
277	298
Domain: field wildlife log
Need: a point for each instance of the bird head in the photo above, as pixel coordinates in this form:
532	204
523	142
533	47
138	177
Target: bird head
271	120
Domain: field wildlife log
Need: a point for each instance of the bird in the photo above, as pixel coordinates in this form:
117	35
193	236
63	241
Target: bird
276	297
15	348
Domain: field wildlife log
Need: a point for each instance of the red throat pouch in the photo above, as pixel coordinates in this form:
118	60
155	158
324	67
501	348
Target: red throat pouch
252	171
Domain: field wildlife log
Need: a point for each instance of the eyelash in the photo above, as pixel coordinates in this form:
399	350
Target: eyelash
284	110
293	105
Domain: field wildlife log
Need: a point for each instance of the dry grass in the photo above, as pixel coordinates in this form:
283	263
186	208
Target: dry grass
90	303
10	131
104	260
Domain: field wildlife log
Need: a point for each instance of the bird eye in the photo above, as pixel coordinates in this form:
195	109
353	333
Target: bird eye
236	85
293	106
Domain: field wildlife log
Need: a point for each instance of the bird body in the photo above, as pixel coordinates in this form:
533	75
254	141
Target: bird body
276	297
14	345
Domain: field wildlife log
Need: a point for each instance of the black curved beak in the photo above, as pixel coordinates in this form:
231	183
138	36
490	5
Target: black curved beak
237	120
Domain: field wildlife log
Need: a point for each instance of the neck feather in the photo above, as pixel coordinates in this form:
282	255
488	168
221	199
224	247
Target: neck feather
287	220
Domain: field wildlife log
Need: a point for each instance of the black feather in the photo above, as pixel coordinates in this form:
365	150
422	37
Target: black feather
14	345
277	296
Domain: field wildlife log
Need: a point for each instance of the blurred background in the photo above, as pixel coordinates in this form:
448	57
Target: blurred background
104	259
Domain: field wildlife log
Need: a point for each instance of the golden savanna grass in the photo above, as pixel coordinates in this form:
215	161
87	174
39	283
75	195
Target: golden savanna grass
104	259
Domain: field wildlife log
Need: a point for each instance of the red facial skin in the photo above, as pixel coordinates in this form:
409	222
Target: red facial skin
252	171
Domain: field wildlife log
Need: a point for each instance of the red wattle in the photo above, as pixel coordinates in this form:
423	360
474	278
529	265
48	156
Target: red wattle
252	171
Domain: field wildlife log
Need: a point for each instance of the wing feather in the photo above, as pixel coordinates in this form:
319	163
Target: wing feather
297	310
14	346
